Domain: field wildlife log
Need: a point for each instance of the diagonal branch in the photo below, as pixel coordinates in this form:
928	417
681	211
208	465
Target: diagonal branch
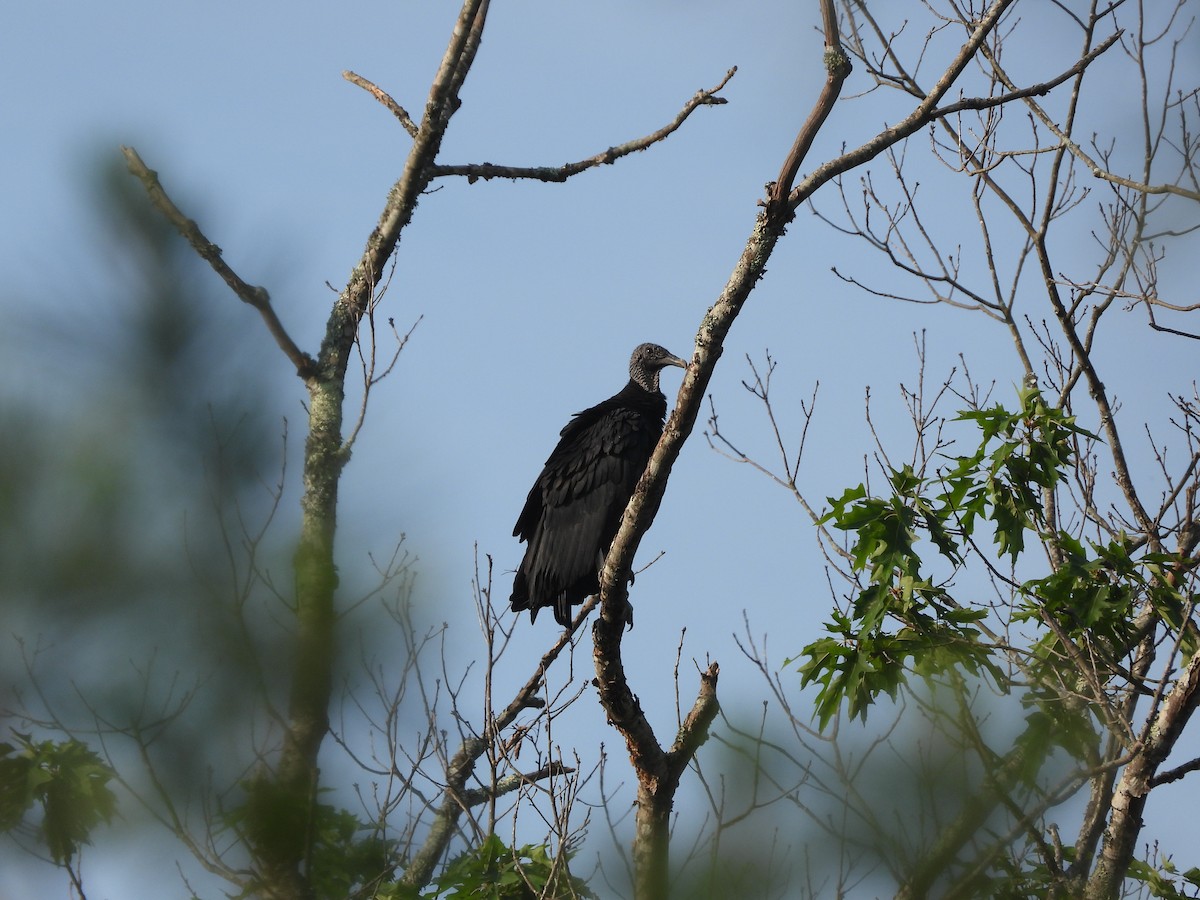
618	700
1100	172
456	797
925	112
694	730
658	772
211	253
440	106
837	68
476	171
1097	169
510	783
385	98
1036	90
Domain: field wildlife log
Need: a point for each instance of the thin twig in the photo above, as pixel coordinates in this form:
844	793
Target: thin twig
385	98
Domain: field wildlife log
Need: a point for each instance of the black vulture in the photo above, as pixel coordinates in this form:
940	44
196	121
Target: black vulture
574	509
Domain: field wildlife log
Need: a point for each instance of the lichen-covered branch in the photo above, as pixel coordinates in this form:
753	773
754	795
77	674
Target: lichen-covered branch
1133	787
837	68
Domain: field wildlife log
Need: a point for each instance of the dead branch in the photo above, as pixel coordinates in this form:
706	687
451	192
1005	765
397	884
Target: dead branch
456	798
486	171
253	295
385	98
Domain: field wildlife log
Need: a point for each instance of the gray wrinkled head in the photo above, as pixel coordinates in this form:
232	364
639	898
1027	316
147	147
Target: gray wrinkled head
648	361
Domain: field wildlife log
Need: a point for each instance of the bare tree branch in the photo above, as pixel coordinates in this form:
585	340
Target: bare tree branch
476	171
385	98
837	68
211	253
619	701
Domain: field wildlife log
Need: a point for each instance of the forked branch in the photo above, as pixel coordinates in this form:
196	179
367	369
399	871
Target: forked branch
619	701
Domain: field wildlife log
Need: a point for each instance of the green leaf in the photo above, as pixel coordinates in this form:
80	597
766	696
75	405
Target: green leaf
496	871
66	780
901	622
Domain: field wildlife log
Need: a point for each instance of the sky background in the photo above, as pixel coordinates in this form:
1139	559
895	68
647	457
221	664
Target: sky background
530	296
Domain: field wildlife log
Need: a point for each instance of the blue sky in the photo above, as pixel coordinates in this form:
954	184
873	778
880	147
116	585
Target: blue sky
531	296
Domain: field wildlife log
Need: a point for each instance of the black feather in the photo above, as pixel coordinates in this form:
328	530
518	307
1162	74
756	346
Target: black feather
574	508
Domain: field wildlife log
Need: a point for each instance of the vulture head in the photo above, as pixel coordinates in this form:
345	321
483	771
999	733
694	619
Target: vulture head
648	361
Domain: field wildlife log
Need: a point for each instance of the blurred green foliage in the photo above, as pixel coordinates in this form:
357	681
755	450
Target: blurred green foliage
133	448
64	785
494	871
347	857
146	599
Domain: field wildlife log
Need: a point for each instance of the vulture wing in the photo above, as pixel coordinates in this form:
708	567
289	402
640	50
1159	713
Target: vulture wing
574	509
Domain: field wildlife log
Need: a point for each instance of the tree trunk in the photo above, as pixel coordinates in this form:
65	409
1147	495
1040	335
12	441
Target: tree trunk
295	785
1129	798
652	841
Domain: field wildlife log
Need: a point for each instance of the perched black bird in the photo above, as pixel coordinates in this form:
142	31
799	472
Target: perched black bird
574	509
